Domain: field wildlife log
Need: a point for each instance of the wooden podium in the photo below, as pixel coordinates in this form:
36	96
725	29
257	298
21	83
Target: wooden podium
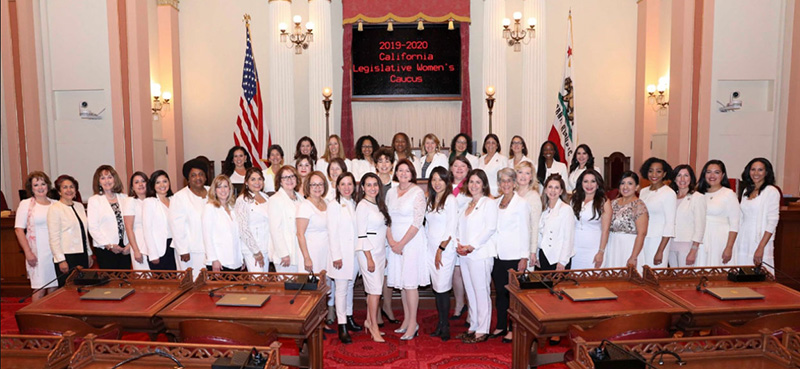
29	351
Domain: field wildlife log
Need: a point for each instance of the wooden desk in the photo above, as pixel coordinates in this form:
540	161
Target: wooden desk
301	320
137	312
537	313
787	246
756	351
791	340
30	351
704	310
97	353
12	259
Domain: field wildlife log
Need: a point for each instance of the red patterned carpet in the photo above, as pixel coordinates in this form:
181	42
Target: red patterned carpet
421	352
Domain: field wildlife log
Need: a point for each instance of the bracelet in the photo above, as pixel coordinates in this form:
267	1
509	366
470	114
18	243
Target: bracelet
601	251
695	247
442	248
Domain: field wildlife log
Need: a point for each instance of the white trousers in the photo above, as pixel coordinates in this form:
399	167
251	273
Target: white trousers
477	275
197	261
344	299
143	265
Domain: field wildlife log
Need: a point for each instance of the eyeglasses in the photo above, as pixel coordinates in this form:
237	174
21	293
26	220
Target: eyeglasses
287	177
516	143
316	185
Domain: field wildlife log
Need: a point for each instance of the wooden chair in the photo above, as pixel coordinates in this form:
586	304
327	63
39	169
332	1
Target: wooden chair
772	322
614	165
57	325
220	332
621	328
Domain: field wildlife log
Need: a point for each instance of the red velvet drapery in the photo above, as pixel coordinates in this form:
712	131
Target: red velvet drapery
347	93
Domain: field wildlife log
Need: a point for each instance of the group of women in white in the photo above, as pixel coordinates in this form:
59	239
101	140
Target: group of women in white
477	217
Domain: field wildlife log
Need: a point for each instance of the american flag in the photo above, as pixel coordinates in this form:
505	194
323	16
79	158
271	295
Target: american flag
250	129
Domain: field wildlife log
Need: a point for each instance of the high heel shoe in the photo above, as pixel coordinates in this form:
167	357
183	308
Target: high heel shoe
460	313
498	334
400	330
411	337
386	317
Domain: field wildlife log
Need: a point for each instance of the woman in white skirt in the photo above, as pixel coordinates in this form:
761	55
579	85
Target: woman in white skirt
661	204
407	268
342	262
690	220
221	229
492	161
592	220
581	161
628	226
282	225
132	216
722	214
30	227
156	228
441	218
760	214
527	188
372	221
252	211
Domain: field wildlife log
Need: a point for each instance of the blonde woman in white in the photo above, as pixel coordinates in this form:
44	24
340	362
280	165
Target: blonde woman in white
221	229
492	161
252	212
690	220
760	204
722	215
282	220
333	150
661	205
431	157
132	215
527	188
30	227
342	262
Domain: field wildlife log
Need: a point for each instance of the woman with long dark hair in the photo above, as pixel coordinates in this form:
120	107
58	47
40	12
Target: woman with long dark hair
661	203
401	145
275	158
342	262
133	218
334	169
760	205
628	226
363	162
722	214
517	152
252	211
582	160
157	231
441	217
236	164
556	227
690	220
305	166
462	145
592	220
549	162
492	161
306	146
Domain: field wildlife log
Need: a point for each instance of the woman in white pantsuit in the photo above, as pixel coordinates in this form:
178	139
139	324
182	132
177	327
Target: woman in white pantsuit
760	214
476	246
132	216
722	214
690	221
342	262
157	233
460	167
282	226
592	220
556	227
661	203
252	211
441	218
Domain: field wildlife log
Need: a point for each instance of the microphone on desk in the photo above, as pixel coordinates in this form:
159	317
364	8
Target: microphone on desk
758	267
549	288
702	284
103	283
309	278
156	352
600	353
568	279
64	275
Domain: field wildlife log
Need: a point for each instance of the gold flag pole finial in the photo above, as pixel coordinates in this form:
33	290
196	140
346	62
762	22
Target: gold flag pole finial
246	19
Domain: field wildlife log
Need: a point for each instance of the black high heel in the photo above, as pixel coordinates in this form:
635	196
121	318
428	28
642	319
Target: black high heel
386	318
460	314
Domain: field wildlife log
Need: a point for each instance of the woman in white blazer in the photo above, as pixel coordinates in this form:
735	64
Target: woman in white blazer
517	152
556	227
275	158
431	157
132	216
185	217
30	227
582	160
334	149
527	188
252	212
221	229
106	225
335	168
513	245
441	219
363	162
722	214
549	162
459	169
462	145
661	205
68	230
282	225
342	261
492	161
760	205
155	213
476	247
690	220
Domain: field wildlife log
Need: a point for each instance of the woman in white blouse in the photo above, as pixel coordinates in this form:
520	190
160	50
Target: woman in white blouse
221	229
342	262
407	268
363	162
549	162
236	164
252	211
460	167
335	169
556	227
132	216
760	204
527	186
275	158
30	227
402	147
305	146
492	161
476	247
690	220
155	213
582	160
282	225
304	166
513	245
441	219
105	220
185	217
661	205
722	214
68	230
333	150
462	145
592	220
517	152
372	220
431	157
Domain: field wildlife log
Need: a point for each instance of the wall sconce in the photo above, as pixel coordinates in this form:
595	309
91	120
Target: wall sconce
160	101
658	101
516	33
297	39
326	103
490	104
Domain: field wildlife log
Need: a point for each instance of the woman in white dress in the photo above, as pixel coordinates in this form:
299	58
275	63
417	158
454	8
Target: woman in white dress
407	268
275	158
492	161
722	214
517	152
556	227
333	150
30	227
527	186
156	229
236	164
282	221
592	220
364	162
476	247
629	221
690	220
252	212
441	219
305	166
460	167
68	230
549	162
513	246
106	226
221	228
335	169
342	261
582	160
760	214
462	145
372	220
384	166
132	216
431	157
661	204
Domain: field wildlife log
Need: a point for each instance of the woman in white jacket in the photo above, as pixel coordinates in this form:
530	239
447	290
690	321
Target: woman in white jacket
282	225
518	152
252	212
30	227
690	220
476	247
185	217
221	229
722	214
760	204
106	224
556	227
333	150
132	216
661	204
549	162
342	261
68	230
441	219
431	157
492	161
155	214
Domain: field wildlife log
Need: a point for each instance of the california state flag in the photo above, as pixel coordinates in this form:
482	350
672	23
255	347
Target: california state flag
563	132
